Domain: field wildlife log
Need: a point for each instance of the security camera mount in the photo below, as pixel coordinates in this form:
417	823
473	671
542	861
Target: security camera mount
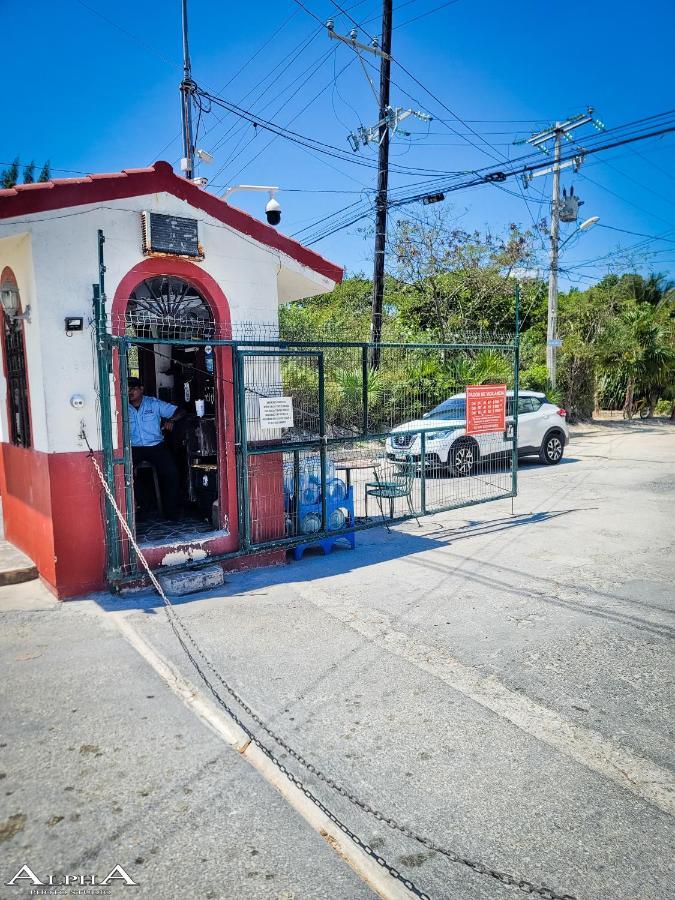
272	210
270	188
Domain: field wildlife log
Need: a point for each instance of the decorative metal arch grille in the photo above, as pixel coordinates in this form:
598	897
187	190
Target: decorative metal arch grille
17	384
168	308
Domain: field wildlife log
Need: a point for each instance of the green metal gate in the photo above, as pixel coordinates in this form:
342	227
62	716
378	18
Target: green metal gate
333	469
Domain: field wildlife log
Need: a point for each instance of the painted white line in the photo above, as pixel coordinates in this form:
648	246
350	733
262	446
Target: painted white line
636	774
378	879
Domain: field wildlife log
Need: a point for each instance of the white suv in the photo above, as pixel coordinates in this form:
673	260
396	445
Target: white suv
542	432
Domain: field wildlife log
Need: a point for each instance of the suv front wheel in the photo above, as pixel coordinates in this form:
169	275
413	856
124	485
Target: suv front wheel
463	458
551	451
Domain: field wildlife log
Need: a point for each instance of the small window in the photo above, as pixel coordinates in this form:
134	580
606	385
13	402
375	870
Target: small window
15	361
536	403
524	405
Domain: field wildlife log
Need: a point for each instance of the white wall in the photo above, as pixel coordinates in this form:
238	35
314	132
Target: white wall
65	265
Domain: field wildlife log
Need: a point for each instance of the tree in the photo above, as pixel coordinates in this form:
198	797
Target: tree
618	342
455	283
10	176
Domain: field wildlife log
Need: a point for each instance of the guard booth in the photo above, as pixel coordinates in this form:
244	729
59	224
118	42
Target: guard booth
179	277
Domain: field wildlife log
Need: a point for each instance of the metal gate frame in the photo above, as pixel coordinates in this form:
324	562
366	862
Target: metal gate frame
323	442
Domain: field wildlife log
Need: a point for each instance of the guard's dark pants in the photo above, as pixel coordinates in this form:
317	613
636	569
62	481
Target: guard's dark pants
162	460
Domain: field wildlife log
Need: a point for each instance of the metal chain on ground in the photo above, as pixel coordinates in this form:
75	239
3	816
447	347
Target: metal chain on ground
175	621
176	624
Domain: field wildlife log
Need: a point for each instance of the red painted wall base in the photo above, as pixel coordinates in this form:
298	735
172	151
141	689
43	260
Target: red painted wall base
53	511
52	505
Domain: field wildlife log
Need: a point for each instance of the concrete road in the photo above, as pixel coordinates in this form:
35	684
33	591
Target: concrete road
498	683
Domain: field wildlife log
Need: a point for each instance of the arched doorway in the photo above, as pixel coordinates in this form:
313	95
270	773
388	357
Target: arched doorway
169	313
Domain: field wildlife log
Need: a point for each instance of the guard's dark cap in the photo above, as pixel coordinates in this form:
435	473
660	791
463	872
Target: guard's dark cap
134	382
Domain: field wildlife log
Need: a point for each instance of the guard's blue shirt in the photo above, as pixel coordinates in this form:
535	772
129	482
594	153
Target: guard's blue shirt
145	422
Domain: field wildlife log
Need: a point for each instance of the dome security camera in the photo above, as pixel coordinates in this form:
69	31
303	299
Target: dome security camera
273	211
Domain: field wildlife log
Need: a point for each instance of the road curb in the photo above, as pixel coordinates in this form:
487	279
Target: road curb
17	576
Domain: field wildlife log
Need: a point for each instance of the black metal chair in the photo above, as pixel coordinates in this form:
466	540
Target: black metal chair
397	482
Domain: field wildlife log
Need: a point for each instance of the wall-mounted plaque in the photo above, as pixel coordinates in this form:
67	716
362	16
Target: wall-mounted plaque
170	234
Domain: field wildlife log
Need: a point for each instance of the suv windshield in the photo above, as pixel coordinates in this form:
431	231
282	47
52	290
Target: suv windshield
449	409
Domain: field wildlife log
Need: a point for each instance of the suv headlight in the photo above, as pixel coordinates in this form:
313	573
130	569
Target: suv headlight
439	435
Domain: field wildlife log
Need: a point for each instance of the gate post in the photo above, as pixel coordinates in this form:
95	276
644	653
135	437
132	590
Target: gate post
104	368
324	443
129	499
241	448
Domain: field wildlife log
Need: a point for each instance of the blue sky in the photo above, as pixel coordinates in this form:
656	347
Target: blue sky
96	89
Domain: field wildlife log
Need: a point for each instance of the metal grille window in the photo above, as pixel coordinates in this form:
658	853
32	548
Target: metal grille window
17	384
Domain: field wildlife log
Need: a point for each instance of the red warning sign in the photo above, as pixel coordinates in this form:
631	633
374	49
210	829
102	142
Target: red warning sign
485	408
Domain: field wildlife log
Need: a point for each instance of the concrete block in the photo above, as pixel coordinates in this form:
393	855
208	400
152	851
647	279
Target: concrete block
191	581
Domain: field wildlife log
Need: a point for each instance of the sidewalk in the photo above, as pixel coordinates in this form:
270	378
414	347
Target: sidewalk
15	566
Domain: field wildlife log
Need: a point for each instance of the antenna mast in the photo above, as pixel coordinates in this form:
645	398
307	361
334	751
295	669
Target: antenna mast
187	86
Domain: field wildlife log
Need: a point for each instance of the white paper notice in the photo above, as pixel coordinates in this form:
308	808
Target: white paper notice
276	412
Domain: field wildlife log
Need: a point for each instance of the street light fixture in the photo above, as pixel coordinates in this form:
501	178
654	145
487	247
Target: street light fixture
589	223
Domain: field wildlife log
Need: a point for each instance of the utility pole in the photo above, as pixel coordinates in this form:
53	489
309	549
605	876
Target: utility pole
556	133
187	85
552	320
382	186
388	124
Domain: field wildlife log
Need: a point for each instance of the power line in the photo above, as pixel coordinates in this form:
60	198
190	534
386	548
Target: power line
249	60
296	116
51	168
644	187
149	47
447	108
486	177
459	133
624	199
651	237
308	142
429	12
294	54
307	74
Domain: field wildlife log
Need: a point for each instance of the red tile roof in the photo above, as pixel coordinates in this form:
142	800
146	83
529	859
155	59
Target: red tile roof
29	199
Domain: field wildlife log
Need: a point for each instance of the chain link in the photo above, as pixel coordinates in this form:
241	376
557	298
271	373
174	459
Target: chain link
182	635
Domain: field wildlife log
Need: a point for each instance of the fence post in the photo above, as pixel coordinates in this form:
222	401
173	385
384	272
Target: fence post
365	369
516	375
423	472
296	493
